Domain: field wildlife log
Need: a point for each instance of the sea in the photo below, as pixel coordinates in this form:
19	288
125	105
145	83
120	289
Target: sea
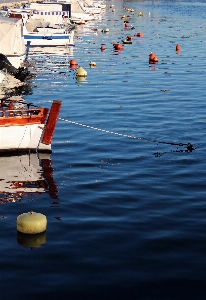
124	190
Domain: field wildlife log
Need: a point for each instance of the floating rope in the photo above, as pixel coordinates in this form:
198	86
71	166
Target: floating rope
188	146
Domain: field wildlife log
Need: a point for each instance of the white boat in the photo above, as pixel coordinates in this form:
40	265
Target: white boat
84	6
12	40
25	176
48	39
79	14
89	7
28	130
99	4
81	18
2	76
49	12
50	30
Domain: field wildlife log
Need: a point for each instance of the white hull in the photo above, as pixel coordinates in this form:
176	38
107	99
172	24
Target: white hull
45	30
25	137
28	130
40	39
92	10
82	17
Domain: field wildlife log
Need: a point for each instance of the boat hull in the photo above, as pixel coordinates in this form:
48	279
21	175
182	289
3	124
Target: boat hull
49	39
51	31
22	138
28	130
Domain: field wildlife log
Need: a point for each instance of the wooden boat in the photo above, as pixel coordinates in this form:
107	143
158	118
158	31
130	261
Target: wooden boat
28	130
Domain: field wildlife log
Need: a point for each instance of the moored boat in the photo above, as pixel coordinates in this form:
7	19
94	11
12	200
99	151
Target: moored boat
48	39
28	130
12	40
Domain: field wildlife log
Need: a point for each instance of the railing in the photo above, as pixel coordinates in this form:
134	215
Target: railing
19	113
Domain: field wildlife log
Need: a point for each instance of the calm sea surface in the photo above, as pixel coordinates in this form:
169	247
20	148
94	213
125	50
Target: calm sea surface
124	194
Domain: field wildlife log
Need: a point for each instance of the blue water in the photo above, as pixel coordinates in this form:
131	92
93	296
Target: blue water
127	201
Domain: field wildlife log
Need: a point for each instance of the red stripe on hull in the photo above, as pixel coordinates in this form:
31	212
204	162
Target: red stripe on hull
51	122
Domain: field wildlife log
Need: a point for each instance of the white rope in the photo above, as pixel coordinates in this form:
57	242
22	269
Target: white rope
99	129
188	145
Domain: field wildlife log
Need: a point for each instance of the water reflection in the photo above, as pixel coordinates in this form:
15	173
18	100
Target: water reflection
31	240
25	176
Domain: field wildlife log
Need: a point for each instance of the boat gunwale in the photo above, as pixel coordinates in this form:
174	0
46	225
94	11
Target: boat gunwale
15	117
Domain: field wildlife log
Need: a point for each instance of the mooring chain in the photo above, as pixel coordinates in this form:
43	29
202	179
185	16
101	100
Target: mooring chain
189	146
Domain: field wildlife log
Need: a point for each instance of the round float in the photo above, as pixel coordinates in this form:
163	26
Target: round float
31	223
81	72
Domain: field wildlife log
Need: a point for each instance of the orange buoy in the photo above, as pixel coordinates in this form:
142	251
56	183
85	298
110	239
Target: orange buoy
118	46
126	24
177	47
153	58
73	63
139	34
102	48
153	62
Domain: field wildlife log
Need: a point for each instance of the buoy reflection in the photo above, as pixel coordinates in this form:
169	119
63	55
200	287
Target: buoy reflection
31	241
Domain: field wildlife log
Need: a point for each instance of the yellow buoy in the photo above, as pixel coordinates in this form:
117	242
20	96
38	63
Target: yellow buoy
140	14
92	64
105	30
81	79
81	72
31	223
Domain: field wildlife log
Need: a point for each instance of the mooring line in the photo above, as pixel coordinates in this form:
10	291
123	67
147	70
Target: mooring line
189	146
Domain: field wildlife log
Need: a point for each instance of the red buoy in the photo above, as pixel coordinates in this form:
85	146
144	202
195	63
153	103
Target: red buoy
102	48
126	24
153	58
177	47
118	46
73	63
139	34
